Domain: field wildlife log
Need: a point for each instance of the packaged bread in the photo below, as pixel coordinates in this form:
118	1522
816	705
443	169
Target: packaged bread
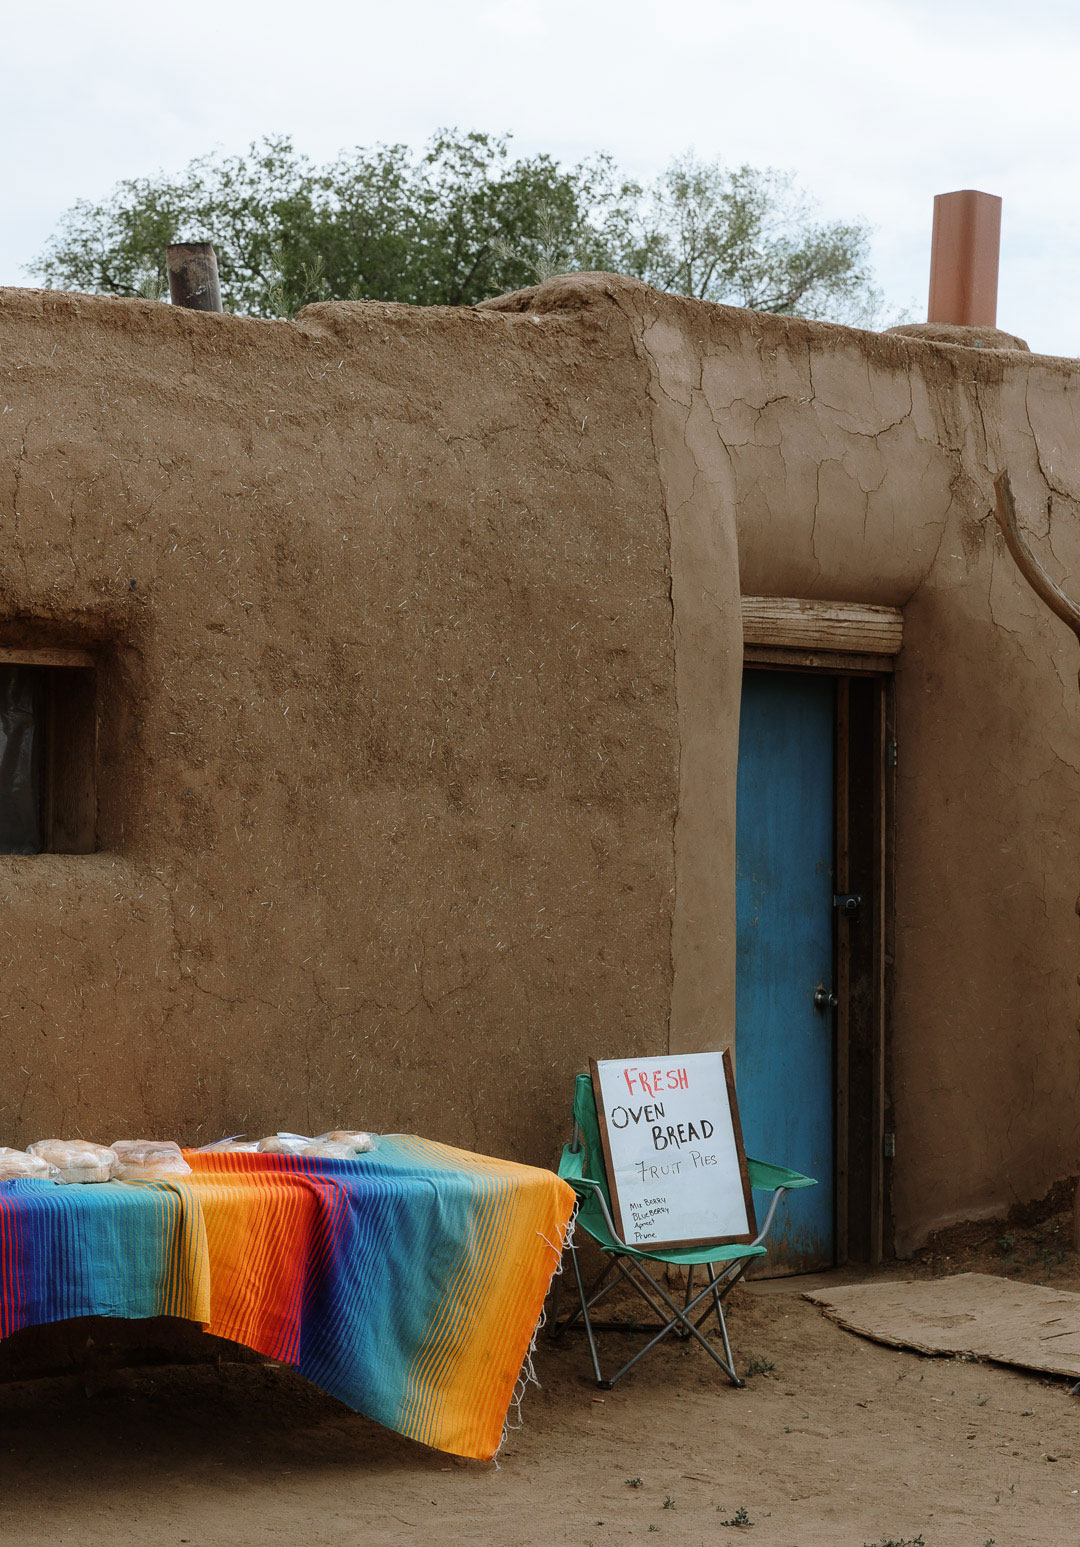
284	1144
358	1143
234	1146
77	1160
18	1166
328	1149
337	1145
149	1160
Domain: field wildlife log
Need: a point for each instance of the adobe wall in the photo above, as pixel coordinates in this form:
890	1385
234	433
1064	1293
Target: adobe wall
388	755
854	466
421	716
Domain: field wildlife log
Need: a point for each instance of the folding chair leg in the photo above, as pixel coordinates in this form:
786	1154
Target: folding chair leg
672	1318
728	1365
678	1315
727	1347
600	1381
592	1294
681	1332
720	1295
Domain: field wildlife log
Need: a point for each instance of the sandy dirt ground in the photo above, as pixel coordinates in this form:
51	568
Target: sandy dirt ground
835	1441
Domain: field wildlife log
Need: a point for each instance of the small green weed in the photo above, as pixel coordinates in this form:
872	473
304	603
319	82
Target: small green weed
739	1518
634	1482
898	1541
759	1366
669	1502
1048	1257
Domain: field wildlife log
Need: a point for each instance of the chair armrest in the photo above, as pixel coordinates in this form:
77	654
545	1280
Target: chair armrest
775	1179
598	1193
759	1239
767	1178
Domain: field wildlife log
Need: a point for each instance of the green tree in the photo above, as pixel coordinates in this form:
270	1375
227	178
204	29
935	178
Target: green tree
457	222
745	236
447	227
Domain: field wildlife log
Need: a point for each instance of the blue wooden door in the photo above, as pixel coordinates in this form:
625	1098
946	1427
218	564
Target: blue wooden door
784	1044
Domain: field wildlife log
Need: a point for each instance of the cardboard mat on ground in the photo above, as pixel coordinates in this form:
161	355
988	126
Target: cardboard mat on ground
975	1314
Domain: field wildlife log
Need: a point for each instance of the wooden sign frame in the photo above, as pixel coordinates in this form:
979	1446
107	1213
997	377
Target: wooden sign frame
613	1190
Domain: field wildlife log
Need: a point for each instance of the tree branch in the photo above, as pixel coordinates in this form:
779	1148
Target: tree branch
1033	572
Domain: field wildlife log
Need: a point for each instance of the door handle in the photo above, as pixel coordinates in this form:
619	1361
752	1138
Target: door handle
823	1000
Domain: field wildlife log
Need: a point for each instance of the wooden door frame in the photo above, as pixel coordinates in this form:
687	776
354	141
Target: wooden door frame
864	777
864	767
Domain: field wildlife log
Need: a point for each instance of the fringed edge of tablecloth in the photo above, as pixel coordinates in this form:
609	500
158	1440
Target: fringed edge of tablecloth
528	1376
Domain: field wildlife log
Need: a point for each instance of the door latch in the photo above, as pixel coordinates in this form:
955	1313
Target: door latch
848	904
823	1000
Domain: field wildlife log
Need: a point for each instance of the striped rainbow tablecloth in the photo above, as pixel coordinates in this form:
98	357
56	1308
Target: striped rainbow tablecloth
408	1282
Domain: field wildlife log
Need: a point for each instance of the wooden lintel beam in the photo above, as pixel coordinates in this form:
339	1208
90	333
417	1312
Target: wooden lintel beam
792	623
45	655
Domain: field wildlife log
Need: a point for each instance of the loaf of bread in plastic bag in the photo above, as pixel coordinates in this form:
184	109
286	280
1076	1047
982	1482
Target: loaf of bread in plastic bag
328	1149
338	1145
17	1166
283	1144
359	1143
77	1160
149	1160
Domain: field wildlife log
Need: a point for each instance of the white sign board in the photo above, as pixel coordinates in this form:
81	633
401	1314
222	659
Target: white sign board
673	1149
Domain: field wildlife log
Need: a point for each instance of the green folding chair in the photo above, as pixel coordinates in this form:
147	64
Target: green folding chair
582	1165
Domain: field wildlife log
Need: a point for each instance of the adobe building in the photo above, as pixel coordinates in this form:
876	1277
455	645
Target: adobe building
374	682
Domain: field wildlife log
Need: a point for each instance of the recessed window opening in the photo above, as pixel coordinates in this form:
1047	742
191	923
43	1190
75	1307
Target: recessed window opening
48	745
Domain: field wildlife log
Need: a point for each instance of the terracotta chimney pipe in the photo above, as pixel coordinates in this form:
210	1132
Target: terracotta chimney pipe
964	258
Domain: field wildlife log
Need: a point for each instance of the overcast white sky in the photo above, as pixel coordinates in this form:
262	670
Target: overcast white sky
876	105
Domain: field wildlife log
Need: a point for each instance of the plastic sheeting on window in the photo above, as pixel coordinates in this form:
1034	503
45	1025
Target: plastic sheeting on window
22	736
